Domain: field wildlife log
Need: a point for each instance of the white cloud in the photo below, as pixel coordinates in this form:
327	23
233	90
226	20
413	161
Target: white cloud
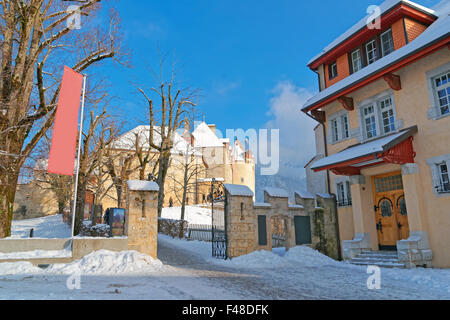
297	142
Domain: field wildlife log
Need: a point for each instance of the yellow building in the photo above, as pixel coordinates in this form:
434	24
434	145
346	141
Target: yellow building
384	106
202	153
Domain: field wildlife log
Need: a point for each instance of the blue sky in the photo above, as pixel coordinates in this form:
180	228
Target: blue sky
248	57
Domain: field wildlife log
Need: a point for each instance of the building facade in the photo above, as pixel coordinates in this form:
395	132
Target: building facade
384	106
201	154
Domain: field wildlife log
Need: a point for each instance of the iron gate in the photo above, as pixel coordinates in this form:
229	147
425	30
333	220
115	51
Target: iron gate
219	234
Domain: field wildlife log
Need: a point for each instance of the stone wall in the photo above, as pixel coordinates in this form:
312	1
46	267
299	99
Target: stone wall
243	217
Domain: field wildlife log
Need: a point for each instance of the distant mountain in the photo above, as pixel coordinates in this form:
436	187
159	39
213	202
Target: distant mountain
290	177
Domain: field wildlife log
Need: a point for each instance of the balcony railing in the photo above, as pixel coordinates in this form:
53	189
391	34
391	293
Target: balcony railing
347	202
443	188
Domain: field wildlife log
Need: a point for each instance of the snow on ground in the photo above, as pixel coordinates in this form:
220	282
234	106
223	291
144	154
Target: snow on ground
66	253
21	268
50	227
186	270
106	262
282	265
193	214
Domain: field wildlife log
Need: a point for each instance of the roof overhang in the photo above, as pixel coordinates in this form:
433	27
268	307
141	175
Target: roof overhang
380	73
396	148
402	9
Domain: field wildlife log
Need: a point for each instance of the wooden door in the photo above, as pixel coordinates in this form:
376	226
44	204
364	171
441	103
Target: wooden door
386	221
390	209
402	217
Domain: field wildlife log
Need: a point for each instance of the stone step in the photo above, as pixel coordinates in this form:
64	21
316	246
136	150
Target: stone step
381	264
387	253
377	256
372	260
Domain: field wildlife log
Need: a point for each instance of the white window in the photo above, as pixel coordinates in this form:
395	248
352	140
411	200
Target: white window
369	122
387	42
335	130
344	197
356	60
371	50
387	115
444	181
345	127
378	118
440	175
340	128
333	71
439	90
442	91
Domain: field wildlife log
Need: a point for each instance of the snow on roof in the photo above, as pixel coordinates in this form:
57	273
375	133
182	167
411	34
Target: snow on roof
365	149
127	141
384	8
325	196
138	185
238	190
204	137
435	32
295	206
262	205
305	194
277	192
211	179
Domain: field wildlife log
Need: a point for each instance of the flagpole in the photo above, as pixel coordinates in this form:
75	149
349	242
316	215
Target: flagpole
78	157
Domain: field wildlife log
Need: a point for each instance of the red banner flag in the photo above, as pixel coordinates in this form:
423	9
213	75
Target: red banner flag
61	159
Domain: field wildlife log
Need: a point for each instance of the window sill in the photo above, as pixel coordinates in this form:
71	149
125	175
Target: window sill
442	194
441	116
364	140
339	141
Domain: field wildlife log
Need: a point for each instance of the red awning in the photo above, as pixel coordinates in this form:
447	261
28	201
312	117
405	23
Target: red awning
396	148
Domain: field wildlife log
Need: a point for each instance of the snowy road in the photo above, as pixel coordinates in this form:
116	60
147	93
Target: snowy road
188	272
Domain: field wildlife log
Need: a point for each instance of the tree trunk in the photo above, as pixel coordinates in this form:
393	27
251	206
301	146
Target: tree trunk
61	207
7	195
119	191
163	167
183	202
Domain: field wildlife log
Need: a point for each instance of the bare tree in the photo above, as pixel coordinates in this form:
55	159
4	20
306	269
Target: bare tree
101	183
35	38
99	135
166	102
60	186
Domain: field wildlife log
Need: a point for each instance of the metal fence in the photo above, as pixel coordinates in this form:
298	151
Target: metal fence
200	232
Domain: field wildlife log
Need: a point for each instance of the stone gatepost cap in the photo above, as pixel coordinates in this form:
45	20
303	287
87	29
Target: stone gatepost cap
238	190
139	185
277	193
305	194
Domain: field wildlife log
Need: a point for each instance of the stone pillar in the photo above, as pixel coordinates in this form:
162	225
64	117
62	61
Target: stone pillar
240	221
362	220
141	221
415	250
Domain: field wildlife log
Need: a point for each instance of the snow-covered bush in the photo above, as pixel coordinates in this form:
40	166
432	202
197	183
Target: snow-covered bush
97	231
173	227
